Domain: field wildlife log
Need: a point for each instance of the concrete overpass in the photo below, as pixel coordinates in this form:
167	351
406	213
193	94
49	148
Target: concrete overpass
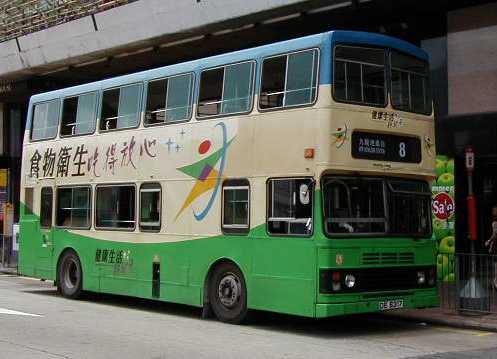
147	33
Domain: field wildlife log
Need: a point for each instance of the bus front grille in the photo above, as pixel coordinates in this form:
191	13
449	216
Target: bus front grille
389	258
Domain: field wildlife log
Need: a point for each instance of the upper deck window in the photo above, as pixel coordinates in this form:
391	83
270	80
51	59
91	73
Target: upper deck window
45	120
169	100
226	90
410	84
289	80
360	75
120	108
79	115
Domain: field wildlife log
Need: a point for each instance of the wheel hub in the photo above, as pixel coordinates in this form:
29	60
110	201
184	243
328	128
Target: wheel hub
229	290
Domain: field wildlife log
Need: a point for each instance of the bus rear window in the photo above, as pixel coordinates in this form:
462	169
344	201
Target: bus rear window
360	75
410	84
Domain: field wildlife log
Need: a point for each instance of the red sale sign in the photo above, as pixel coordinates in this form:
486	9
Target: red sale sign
443	206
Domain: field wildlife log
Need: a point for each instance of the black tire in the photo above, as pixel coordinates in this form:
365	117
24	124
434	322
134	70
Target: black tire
228	293
70	275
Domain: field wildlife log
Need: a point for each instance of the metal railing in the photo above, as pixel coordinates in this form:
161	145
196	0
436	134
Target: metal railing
21	17
468	282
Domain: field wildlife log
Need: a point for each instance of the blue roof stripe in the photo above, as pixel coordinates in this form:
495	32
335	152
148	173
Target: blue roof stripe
358	37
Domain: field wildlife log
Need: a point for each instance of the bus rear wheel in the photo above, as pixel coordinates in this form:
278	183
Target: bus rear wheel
228	293
70	275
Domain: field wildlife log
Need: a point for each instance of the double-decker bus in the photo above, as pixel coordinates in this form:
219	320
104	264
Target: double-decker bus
292	177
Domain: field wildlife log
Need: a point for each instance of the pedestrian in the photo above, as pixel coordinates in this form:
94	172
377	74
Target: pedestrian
491	243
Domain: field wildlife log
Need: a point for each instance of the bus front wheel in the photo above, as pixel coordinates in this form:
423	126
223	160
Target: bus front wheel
228	293
70	275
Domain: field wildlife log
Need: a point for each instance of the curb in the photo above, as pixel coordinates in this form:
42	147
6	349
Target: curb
8	271
445	322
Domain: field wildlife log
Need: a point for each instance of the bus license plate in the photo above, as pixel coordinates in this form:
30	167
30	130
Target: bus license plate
391	304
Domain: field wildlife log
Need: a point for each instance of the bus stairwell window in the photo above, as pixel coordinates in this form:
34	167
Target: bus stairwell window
45	120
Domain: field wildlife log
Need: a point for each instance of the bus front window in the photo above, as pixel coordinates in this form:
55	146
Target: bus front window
355	206
410	84
360	75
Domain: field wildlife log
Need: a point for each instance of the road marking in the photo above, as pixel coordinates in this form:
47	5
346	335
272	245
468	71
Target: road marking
476	333
15	312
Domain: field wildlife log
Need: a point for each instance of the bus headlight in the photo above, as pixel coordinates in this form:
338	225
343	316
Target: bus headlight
349	281
421	278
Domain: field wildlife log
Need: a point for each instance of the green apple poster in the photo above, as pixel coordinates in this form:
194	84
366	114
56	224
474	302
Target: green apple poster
443	212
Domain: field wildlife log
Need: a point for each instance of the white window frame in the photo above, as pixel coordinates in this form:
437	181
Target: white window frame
158	224
234	188
220	114
315	77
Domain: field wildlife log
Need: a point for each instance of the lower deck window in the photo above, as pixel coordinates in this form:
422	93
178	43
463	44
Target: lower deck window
73	207
236	206
150	207
290	206
116	207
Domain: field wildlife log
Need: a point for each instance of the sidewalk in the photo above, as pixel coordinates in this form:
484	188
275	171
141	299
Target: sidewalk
448	317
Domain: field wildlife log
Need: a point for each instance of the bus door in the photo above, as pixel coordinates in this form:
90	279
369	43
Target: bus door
44	241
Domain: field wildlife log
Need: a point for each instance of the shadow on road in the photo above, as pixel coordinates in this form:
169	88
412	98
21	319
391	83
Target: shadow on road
345	326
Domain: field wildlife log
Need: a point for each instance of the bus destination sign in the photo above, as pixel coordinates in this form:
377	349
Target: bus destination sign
385	147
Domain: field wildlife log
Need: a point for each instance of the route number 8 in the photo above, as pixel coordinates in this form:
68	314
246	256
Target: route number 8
402	149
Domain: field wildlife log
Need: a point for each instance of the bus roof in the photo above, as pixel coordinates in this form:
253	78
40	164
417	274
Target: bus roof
325	41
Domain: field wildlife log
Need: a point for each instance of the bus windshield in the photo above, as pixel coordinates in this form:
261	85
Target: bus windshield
376	206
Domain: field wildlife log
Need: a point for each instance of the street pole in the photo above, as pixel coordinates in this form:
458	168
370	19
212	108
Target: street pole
473	295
